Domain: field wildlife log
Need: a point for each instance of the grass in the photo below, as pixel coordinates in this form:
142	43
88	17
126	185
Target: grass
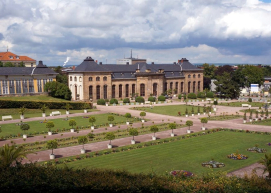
34	98
266	122
223	117
187	154
172	110
239	104
38	126
35	112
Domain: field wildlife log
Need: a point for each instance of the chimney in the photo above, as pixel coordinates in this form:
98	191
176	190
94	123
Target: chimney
73	68
96	61
152	63
101	63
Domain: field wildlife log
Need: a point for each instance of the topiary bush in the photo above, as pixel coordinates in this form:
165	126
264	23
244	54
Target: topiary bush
210	94
250	100
140	99
101	102
180	96
201	95
192	96
126	100
161	98
113	100
152	99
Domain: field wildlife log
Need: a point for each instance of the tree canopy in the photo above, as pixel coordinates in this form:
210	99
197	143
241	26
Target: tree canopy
58	90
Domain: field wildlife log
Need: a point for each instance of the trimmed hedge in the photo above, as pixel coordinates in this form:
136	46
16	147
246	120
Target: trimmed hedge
210	94
161	98
192	96
113	100
5	104
180	96
100	102
126	100
140	99
152	99
201	95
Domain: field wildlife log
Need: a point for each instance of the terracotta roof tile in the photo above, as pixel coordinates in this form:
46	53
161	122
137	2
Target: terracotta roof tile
5	56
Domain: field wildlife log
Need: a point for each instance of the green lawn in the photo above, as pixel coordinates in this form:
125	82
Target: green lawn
239	104
37	126
172	110
186	154
266	122
34	98
223	118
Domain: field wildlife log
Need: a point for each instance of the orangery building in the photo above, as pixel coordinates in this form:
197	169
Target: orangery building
93	81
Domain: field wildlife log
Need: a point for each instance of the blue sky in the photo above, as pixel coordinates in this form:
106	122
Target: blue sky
162	31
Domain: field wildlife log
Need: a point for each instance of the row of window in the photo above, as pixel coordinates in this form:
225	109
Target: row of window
21	86
194	76
89	79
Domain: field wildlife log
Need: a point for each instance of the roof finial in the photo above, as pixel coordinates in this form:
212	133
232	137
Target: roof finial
131	53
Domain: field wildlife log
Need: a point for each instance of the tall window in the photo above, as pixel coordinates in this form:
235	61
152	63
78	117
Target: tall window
198	85
165	88
50	80
127	90
97	78
194	76
89	78
98	94
105	91
171	85
5	86
104	78
0	88
120	90
133	89
31	85
25	89
11	87
181	87
18	86
189	76
90	92
194	87
70	78
176	87
142	89
75	79
44	82
154	89
198	75
189	85
114	91
39	86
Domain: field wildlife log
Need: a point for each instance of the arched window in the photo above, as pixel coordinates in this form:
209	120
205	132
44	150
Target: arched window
165	87
198	85
127	90
105	91
194	87
189	85
90	92
176	87
142	89
104	78
89	78
98	92
194	76
198	75
97	78
114	91
75	79
133	90
171	85
189	75
154	89
181	87
70	78
120	90
80	79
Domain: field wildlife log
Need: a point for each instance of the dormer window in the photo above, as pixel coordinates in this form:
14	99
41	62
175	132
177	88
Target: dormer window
17	57
11	57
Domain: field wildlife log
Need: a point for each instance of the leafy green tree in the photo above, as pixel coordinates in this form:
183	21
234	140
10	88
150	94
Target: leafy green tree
189	123
9	64
253	75
204	120
209	71
127	116
25	127
43	108
92	120
68	106
11	154
21	64
110	136
133	132
1	64
82	140
266	162
221	69
142	114
58	90
110	118
49	125
51	144
154	129
72	123
172	126
22	110
90	135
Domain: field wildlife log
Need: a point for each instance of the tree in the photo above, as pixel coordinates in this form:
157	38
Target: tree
1	64
172	126
266	162
49	125
9	64
51	144
110	118
24	127
142	114
86	106
209	71
68	106
127	116
11	154
154	129
43	108
22	110
92	120
110	136
21	64
133	132
90	135
82	140
253	75
206	83
58	90
189	123
204	120
221	69
72	123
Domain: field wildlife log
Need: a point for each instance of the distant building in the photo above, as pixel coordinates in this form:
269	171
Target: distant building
92	81
16	59
25	81
130	60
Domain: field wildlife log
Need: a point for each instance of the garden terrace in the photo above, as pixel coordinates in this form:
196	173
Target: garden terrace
223	117
239	104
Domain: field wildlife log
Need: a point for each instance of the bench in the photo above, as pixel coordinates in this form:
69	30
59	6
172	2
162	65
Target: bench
246	105
7	117
147	102
55	113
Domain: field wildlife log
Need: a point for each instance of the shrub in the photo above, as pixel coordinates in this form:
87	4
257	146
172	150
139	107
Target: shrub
140	99
113	100
106	100
192	96
126	100
180	96
215	102
210	94
250	100
152	99
101	102
161	98
201	95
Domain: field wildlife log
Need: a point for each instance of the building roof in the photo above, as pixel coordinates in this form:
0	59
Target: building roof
40	69
9	56
89	65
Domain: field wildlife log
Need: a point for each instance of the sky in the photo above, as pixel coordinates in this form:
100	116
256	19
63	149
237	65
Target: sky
161	31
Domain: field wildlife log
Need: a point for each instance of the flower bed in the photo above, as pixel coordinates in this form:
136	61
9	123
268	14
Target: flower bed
237	156
213	164
256	149
181	173
269	144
